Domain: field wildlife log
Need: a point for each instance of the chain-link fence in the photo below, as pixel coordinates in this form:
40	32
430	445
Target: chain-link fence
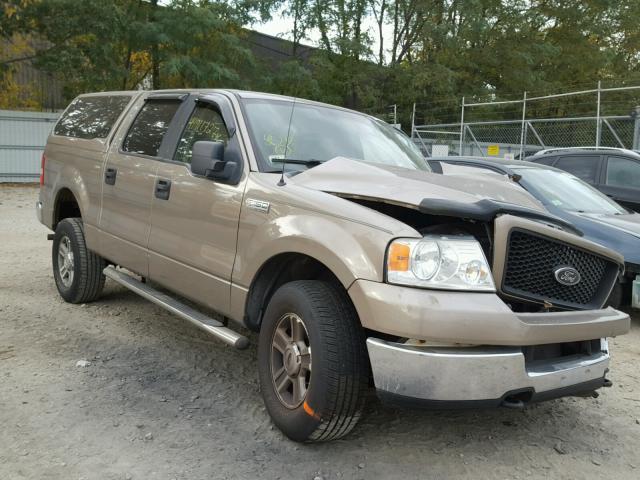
544	122
388	113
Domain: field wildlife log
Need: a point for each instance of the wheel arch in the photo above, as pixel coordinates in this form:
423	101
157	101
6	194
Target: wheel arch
276	271
65	205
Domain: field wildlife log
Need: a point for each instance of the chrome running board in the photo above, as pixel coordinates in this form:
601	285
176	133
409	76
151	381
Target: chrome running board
183	311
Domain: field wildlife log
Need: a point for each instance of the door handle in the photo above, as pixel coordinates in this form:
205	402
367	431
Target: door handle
110	176
163	189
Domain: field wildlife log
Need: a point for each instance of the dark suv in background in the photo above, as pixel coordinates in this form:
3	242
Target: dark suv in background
613	171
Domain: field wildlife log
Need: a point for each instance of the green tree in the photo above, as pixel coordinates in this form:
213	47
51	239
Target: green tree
119	44
429	51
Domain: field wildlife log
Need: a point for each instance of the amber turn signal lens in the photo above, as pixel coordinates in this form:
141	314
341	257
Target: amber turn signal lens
398	259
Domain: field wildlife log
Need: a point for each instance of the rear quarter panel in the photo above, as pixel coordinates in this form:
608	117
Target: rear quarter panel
75	164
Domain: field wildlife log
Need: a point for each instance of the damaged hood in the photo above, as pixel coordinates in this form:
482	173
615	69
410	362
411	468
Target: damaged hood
353	178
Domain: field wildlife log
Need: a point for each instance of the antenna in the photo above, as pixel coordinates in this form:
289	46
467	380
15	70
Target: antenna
286	145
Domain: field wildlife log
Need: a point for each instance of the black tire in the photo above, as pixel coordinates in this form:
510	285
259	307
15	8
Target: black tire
88	280
339	375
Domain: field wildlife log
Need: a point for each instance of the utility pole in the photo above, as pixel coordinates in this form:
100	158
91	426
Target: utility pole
523	126
461	128
598	121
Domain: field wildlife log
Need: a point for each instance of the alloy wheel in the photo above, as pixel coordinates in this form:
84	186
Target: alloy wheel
291	360
65	261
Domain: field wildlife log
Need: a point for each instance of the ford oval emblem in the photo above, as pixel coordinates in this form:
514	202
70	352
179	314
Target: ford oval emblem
567	276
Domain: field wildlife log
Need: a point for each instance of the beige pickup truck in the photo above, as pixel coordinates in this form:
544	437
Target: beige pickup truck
324	231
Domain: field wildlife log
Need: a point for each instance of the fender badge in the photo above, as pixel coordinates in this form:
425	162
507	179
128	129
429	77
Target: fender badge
259	205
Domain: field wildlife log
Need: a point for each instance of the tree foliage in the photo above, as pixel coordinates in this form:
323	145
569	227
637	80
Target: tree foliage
120	44
429	51
435	51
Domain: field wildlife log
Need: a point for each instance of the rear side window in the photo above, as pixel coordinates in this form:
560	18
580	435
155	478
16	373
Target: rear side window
91	117
148	129
623	172
584	167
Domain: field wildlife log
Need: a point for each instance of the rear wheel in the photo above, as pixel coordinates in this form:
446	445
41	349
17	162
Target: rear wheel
77	271
312	361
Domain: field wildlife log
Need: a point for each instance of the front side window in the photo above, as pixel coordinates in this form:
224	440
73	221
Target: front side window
623	172
584	167
282	129
148	129
205	124
91	116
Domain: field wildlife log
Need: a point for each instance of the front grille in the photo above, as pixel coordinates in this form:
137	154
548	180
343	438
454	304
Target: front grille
532	260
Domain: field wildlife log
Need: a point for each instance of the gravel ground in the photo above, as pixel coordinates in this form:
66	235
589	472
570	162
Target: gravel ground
159	399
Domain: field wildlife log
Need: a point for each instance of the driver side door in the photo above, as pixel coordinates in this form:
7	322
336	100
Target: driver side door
194	221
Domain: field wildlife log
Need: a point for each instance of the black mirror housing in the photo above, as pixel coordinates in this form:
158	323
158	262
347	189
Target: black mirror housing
205	156
207	160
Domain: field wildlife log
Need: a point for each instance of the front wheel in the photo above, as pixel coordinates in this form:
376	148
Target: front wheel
312	361
76	269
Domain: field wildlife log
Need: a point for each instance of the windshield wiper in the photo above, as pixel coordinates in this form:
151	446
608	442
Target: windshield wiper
310	162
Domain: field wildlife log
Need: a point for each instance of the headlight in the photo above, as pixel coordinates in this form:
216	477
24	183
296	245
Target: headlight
436	261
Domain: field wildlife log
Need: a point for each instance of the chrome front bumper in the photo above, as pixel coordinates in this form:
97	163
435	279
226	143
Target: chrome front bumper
479	374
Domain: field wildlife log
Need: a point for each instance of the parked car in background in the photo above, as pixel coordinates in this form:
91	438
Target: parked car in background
613	171
598	217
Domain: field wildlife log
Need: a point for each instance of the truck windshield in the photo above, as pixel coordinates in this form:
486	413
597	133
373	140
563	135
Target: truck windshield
285	129
563	190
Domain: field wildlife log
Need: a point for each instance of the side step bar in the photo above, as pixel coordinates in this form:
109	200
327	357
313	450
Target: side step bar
199	319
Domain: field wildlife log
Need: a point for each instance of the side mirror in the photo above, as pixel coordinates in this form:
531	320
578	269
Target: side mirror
207	159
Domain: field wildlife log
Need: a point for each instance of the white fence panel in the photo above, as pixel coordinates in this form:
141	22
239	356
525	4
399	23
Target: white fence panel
23	136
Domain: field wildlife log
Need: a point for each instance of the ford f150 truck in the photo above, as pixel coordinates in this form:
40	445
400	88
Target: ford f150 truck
324	230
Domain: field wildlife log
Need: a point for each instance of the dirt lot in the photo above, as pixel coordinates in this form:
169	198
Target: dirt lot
159	399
